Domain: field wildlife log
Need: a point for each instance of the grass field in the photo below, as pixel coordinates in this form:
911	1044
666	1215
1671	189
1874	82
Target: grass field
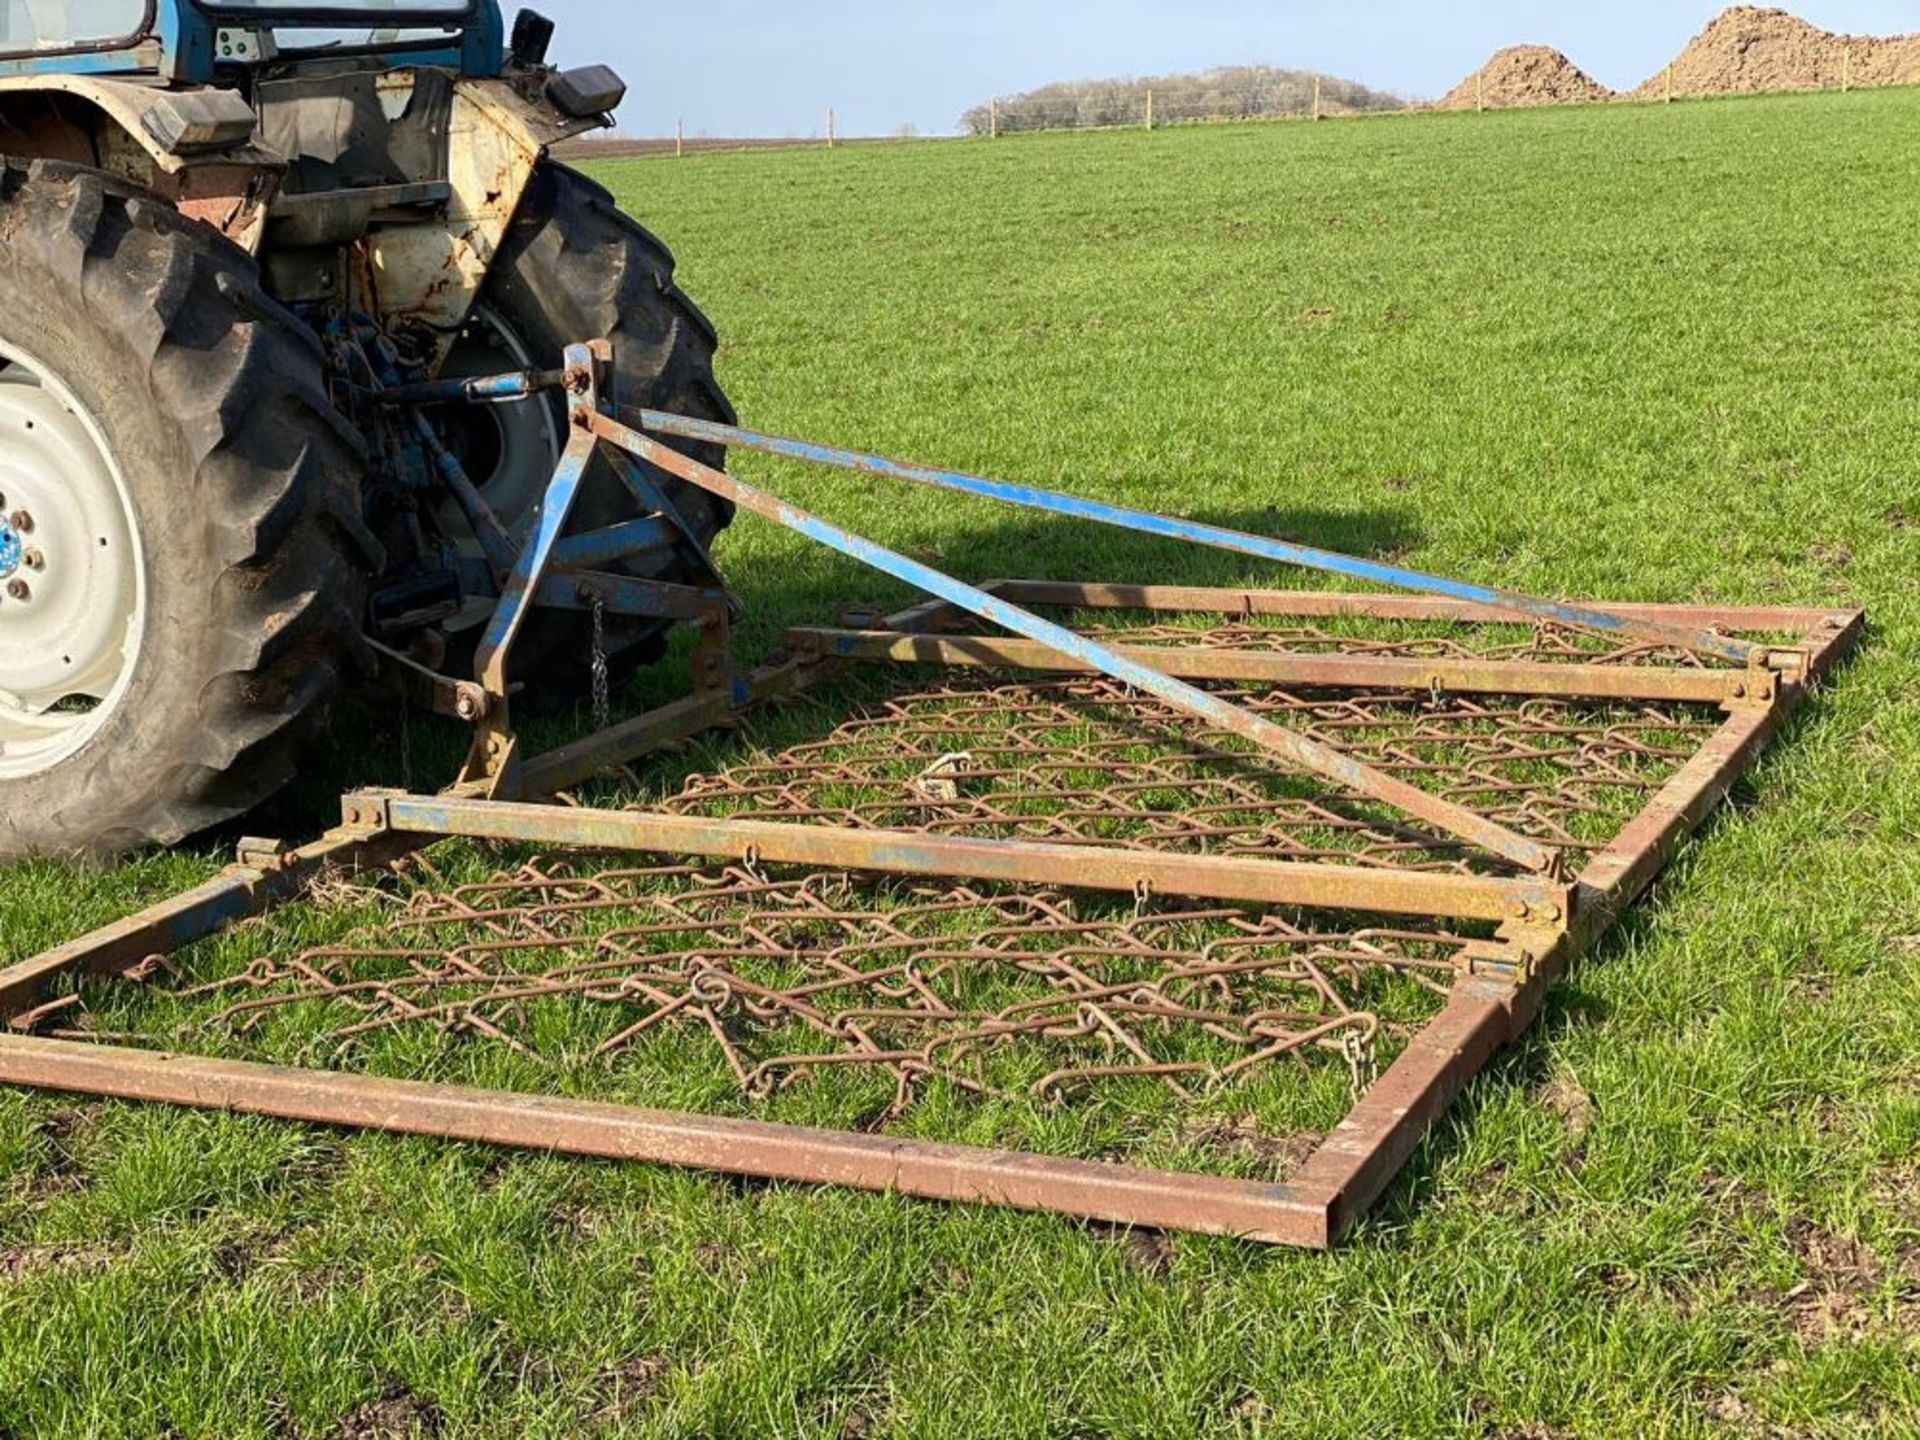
1665	354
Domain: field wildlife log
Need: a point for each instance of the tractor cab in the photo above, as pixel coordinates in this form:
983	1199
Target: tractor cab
190	42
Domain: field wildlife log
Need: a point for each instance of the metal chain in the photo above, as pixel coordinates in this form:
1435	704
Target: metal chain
939	983
1069	761
406	742
602	681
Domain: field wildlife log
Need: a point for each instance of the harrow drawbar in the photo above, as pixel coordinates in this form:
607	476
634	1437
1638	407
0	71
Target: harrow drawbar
1174	855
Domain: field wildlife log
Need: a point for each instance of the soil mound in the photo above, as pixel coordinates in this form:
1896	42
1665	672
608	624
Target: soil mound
1748	50
1525	75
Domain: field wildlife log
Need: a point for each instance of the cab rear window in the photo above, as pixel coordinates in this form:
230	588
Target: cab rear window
31	27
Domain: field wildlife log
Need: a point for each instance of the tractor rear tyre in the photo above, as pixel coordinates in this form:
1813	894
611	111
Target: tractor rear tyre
574	267
182	566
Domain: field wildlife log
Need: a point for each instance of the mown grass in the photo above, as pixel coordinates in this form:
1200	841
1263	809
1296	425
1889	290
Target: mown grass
1632	352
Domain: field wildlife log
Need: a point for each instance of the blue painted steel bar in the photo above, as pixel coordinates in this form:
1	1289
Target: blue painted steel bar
536	558
1299	750
530	571
626	541
626	595
1704	642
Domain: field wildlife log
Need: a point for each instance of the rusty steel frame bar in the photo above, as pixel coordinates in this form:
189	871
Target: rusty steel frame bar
238	893
1361	1158
1345	605
1466	677
1122	1195
892	852
1334	1188
1483	1016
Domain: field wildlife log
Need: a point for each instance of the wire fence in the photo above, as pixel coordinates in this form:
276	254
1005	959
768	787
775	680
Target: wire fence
1235	95
1114	106
1093	109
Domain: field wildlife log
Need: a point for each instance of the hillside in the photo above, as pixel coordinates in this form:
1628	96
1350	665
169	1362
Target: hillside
1242	92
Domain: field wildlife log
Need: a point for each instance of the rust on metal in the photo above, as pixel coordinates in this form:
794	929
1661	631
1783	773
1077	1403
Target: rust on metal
1251	1210
1018	893
785	976
906	852
238	894
1798	622
1224	655
1080	761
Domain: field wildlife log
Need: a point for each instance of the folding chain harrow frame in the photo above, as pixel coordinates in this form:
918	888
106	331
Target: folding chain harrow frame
1261	879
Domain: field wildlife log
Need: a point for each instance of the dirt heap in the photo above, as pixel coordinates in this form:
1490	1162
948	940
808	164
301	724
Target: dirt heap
1748	50
1525	75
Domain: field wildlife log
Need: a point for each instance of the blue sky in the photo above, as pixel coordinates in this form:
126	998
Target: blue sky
756	67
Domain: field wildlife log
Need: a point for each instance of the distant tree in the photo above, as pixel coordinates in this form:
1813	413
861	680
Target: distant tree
1240	92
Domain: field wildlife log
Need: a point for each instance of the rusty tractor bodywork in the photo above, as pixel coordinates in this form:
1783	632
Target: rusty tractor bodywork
384	173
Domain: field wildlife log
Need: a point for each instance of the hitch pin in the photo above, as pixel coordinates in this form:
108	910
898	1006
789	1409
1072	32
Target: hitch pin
475	390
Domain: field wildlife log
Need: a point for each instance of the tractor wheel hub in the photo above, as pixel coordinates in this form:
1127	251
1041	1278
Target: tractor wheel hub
72	581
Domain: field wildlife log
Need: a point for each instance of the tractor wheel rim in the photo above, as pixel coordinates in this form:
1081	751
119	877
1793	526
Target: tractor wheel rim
73	584
523	441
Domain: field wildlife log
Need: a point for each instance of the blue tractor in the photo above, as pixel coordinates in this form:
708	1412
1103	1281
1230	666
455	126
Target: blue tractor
227	230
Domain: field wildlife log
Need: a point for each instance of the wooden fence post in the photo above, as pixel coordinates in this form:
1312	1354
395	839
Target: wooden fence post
1846	69
993	119
1149	109
1316	97
679	138
1480	92
833	125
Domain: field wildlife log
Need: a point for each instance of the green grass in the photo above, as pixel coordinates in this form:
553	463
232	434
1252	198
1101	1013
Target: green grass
1668	354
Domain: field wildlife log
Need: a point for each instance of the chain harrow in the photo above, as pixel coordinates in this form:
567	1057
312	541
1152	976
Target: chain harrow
784	975
1085	761
989	992
1540	644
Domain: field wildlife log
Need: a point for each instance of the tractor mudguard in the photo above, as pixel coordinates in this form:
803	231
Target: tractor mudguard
428	168
192	147
499	131
206	150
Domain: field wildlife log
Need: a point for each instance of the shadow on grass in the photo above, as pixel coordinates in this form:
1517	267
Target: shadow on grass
377	743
